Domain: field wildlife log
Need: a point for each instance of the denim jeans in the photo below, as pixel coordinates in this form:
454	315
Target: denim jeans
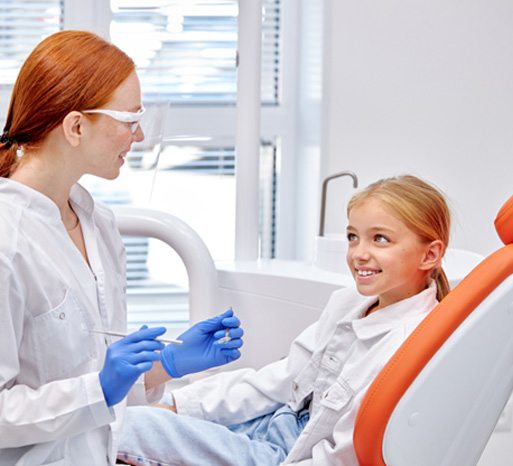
155	436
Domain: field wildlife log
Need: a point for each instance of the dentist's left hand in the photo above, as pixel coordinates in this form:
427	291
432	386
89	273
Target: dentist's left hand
201	349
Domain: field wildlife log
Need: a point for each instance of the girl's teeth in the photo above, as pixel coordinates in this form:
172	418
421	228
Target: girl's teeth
365	273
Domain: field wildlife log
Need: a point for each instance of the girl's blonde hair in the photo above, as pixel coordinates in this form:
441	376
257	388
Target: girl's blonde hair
420	206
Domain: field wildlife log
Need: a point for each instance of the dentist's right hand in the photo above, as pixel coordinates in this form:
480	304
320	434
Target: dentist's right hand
126	360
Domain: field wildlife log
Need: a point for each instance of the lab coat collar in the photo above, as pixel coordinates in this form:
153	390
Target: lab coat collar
80	197
26	197
385	320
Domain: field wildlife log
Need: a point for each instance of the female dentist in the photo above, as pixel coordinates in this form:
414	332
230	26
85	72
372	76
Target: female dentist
75	110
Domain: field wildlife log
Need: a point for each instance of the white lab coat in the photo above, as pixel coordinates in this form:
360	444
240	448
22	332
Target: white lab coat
52	409
331	364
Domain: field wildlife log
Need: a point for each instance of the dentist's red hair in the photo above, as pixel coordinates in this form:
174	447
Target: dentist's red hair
69	70
420	206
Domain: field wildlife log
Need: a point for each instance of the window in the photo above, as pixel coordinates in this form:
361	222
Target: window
185	52
196	183
186	49
24	23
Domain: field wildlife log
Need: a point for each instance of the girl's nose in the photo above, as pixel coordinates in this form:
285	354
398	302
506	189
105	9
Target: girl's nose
360	252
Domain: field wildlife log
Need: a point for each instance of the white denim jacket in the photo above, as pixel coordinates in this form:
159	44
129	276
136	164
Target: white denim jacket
52	408
331	364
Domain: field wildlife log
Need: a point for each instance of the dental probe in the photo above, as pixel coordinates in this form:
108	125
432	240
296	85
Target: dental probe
121	334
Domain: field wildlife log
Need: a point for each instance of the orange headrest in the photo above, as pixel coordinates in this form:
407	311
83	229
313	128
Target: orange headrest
504	222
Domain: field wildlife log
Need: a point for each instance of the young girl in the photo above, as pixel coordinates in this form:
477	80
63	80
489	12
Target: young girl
301	409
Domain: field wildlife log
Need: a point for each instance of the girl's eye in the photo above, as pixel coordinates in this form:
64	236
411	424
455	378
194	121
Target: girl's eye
351	237
381	239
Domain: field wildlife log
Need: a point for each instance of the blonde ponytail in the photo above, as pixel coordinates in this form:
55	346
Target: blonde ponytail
442	283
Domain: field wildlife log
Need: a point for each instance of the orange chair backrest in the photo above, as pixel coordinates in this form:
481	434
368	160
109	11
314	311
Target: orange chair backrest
409	360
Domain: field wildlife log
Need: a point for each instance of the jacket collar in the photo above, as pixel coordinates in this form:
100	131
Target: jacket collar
386	319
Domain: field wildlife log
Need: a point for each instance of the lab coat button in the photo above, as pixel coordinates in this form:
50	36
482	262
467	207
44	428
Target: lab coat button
294	386
62	315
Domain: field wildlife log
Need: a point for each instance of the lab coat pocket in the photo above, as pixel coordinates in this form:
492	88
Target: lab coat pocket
61	342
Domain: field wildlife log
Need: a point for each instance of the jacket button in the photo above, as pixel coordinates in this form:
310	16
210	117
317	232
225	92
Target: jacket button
294	386
62	315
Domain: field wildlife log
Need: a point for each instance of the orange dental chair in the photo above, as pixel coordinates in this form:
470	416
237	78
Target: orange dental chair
437	401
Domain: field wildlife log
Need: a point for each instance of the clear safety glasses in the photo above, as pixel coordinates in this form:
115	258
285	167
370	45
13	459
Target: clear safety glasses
132	118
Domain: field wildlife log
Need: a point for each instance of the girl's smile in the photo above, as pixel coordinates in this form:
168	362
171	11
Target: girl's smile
366	275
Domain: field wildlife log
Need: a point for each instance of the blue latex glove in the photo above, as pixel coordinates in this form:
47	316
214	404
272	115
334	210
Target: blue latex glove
126	360
201	349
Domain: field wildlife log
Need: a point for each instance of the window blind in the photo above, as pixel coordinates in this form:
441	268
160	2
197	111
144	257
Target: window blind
185	50
23	24
215	160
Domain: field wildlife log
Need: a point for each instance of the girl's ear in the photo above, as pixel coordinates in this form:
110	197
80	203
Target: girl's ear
432	255
72	129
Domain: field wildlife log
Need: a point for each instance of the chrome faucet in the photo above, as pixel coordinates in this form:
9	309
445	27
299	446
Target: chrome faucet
324	191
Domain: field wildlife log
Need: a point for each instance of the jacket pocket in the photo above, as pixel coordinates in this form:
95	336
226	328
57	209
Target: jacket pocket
62	344
303	383
56	463
337	396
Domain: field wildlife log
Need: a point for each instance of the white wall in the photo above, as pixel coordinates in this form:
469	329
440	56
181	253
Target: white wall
426	88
